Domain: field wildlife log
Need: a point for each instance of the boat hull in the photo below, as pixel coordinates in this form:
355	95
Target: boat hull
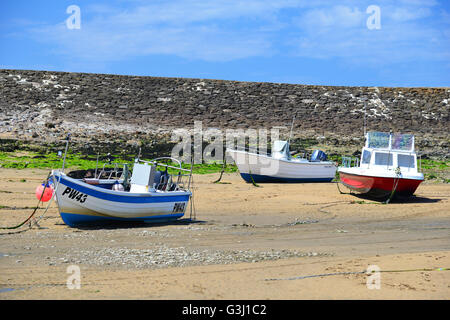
275	179
379	187
82	204
260	168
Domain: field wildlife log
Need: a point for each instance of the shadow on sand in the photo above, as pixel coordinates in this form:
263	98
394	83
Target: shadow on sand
399	199
133	225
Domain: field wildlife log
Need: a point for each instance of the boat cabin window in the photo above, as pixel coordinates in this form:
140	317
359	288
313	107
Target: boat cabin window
366	156
383	158
405	160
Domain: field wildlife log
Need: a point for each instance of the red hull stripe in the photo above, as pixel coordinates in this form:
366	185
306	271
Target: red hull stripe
365	184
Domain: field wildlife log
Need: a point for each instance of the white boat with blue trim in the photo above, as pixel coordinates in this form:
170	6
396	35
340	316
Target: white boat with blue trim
148	195
280	166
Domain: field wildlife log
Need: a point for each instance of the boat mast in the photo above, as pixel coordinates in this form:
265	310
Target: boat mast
65	152
290	134
364	119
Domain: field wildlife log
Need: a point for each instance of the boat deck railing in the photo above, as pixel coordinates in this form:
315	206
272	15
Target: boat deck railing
253	150
116	172
180	177
349	162
302	154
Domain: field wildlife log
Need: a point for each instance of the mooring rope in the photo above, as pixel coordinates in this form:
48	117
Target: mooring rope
49	203
223	169
253	181
337	184
356	272
339	189
35	209
193	213
398	174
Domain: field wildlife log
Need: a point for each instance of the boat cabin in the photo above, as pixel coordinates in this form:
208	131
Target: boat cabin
280	150
389	151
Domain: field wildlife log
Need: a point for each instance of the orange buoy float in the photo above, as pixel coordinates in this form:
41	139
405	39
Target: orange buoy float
48	192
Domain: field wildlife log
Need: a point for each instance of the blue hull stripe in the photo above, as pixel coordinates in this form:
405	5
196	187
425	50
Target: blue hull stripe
123	198
72	219
261	178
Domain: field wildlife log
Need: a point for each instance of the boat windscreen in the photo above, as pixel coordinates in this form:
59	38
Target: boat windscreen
402	142
378	140
278	146
396	141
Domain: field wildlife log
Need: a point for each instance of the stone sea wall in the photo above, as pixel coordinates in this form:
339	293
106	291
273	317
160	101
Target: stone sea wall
121	113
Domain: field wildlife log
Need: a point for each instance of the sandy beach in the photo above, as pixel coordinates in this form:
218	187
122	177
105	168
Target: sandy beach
247	242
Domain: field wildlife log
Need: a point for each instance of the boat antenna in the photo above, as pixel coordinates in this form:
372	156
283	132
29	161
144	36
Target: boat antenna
65	152
364	118
292	125
96	165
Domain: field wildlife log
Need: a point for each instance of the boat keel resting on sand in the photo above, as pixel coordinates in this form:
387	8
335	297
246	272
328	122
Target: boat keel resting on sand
281	167
387	168
150	196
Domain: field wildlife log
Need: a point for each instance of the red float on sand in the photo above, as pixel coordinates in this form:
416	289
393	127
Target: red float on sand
48	192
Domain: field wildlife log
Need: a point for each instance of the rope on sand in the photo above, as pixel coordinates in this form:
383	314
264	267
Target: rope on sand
253	181
337	184
35	209
193	212
355	272
223	169
398	174
317	275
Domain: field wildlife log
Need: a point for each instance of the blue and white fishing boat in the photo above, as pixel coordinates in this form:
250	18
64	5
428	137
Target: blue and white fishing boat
149	195
280	166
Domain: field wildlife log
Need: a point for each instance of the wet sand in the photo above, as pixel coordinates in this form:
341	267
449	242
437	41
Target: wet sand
246	243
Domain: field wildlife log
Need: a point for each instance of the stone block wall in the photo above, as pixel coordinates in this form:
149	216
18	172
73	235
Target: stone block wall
110	110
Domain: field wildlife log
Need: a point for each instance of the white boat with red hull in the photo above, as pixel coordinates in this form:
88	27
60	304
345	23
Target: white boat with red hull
387	167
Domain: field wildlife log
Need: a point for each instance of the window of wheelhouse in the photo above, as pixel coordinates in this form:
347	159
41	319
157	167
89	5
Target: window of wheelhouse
383	158
405	161
366	156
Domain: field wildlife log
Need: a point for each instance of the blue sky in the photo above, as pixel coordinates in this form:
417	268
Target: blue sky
321	42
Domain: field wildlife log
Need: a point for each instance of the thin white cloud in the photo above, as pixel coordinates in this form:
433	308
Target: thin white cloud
212	31
341	32
226	30
335	17
406	14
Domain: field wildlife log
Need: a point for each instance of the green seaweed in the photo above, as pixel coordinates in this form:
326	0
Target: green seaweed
79	161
